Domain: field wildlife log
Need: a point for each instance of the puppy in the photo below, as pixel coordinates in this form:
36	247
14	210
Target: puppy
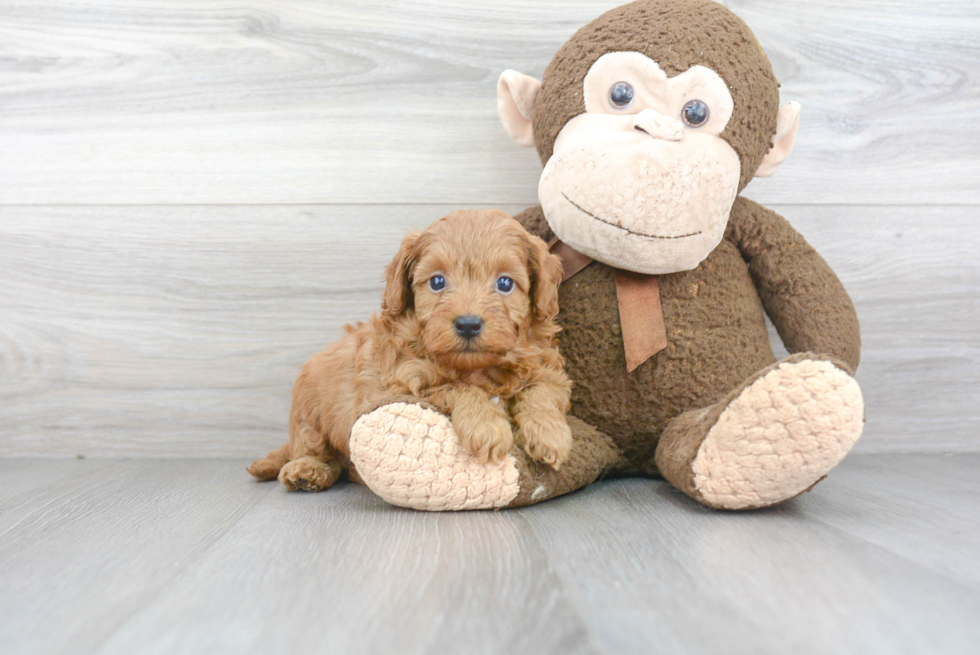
466	325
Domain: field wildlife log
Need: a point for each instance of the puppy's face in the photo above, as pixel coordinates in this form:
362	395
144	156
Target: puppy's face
476	283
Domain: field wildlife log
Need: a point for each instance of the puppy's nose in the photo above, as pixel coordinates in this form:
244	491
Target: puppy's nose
468	326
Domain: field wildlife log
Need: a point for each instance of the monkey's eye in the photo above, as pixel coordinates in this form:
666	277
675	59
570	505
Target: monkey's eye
621	95
695	113
504	284
437	283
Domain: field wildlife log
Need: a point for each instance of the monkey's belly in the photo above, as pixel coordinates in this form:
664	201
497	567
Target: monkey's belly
716	338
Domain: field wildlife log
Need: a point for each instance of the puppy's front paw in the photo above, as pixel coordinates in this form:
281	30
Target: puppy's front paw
488	438
546	439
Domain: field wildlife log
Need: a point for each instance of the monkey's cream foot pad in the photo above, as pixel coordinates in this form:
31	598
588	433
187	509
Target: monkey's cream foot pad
410	456
780	436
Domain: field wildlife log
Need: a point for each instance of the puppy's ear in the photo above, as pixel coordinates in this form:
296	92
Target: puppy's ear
398	294
545	278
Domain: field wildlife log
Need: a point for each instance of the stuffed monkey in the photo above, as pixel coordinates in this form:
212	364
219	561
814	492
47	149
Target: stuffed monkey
649	122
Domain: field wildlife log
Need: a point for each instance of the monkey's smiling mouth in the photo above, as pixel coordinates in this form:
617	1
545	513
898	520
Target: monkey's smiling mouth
626	229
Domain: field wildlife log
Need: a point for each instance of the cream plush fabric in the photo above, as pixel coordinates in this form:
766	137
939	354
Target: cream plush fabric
410	456
780	436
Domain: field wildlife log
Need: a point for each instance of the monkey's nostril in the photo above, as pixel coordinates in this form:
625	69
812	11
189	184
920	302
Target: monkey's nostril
468	326
640	129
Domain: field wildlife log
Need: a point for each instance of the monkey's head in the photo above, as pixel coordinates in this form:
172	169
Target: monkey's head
649	122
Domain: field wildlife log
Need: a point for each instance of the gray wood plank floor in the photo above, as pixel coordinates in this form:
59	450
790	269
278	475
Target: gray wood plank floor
191	556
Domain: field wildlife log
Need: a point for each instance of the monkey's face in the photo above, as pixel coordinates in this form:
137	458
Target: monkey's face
641	168
644	173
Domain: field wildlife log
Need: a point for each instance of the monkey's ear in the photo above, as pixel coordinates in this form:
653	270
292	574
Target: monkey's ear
782	143
516	94
398	277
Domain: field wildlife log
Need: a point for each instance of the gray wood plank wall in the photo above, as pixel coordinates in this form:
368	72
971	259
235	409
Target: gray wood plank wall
195	196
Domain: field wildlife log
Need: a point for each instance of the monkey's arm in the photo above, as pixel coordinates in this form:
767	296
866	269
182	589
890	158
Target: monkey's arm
802	295
533	221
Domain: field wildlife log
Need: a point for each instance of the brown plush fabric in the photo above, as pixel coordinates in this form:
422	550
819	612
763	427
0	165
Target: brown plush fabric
640	316
717	338
534	222
655	418
593	454
678	445
801	293
677	35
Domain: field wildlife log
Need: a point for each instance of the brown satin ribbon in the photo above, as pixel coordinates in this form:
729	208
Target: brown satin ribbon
640	315
572	261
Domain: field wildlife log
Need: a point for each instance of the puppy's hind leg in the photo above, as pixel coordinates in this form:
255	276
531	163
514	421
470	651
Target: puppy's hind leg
303	440
310	474
316	465
268	467
307	462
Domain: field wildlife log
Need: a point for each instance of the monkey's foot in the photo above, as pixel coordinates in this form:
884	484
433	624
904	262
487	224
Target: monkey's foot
770	440
410	456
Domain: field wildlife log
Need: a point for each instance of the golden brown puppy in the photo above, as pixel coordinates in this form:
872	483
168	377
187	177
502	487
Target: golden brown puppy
466	325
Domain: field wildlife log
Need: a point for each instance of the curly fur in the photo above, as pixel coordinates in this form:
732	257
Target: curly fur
510	375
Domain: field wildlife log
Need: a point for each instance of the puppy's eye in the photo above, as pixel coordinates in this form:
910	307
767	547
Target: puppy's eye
621	95
504	284
437	283
695	113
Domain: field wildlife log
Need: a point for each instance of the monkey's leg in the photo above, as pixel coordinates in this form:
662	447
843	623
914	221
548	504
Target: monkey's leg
409	455
770	440
593	454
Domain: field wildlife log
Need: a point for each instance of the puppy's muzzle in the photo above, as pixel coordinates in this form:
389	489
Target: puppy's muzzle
468	327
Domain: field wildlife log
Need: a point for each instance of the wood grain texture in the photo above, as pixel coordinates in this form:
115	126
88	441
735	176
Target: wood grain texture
940	492
665	573
85	544
367	101
195	557
161	557
178	331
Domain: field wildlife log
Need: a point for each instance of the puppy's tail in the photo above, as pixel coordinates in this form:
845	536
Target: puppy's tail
268	468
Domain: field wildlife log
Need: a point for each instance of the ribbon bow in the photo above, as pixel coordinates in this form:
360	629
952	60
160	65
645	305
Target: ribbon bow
640	314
